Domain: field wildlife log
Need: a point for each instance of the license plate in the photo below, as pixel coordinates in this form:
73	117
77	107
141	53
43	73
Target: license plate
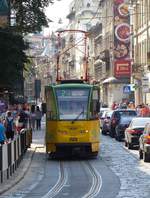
73	139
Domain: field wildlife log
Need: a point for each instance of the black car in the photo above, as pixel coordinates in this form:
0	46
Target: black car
123	123
116	116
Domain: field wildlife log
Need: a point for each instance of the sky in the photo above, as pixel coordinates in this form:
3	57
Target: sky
59	9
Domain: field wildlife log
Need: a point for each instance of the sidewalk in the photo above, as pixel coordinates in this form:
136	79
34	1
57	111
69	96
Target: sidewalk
37	141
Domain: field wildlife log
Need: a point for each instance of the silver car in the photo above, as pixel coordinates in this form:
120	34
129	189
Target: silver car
144	141
135	130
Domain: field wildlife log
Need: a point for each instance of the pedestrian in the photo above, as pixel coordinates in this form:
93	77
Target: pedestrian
131	105
2	133
9	125
32	118
138	110
145	111
23	118
38	114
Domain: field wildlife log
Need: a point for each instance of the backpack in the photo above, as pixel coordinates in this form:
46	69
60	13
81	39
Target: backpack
9	126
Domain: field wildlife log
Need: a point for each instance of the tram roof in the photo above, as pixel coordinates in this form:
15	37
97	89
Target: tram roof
69	85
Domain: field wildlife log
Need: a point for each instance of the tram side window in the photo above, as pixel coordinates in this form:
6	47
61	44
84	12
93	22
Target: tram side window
51	107
95	105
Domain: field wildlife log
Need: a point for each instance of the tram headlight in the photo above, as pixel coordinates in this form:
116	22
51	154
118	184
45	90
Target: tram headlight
84	131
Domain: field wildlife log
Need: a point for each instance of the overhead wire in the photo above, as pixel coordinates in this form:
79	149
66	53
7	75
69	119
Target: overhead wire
92	18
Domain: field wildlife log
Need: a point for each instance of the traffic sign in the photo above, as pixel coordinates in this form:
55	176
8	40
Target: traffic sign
145	81
126	89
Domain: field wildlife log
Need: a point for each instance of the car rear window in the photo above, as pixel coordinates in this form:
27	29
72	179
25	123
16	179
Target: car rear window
127	113
126	119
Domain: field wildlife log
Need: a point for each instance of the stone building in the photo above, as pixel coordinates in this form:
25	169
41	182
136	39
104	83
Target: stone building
140	13
42	53
114	52
82	16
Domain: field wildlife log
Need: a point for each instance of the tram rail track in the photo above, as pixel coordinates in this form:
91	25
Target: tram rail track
93	191
96	181
63	177
60	183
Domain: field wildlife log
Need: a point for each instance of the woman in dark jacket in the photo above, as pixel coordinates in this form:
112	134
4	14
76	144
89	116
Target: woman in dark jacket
38	116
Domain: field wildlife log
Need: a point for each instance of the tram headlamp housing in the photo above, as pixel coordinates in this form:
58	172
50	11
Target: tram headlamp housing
84	131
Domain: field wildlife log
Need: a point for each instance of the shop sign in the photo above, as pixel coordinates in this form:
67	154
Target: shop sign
145	81
122	59
145	89
122	68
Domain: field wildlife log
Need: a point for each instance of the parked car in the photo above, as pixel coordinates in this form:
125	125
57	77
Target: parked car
123	123
103	110
144	144
102	118
135	130
116	116
106	123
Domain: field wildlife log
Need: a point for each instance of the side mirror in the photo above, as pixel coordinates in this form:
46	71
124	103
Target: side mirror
43	107
98	106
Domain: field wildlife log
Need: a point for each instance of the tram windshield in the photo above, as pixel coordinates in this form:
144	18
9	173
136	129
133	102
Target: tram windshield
72	103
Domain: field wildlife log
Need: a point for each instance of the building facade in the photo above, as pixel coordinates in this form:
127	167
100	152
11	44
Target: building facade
141	50
114	52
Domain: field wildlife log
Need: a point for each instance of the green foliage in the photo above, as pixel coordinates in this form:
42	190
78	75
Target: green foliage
12	57
30	16
29	69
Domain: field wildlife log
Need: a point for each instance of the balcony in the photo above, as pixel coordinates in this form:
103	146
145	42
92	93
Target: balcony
105	56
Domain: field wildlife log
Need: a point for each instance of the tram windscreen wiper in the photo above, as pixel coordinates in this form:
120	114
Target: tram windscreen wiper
82	112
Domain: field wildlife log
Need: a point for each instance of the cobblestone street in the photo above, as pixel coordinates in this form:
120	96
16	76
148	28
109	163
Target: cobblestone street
134	174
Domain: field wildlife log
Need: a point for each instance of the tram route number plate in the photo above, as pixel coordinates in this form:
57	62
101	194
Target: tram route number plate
73	139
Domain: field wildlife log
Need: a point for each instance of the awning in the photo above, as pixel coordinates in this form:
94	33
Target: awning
114	80
111	80
98	62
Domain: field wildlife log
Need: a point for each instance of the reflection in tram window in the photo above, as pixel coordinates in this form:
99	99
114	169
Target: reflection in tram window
72	103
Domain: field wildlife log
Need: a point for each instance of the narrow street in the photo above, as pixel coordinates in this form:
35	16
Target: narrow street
116	173
68	70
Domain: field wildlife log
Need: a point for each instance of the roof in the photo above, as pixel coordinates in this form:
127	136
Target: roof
75	85
119	109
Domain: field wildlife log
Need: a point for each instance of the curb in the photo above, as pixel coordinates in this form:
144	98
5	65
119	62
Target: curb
20	172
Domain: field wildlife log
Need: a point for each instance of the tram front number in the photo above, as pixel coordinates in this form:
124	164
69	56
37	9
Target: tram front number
73	139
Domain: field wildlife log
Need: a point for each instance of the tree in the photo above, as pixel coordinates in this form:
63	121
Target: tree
30	16
12	57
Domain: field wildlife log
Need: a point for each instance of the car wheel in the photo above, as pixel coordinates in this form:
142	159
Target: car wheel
125	143
116	134
140	154
112	132
103	132
146	157
129	145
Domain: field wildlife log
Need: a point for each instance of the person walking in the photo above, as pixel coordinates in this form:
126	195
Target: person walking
2	133
32	118
38	116
9	124
145	111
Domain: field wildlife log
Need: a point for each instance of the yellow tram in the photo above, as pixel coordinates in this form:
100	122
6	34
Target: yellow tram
72	124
